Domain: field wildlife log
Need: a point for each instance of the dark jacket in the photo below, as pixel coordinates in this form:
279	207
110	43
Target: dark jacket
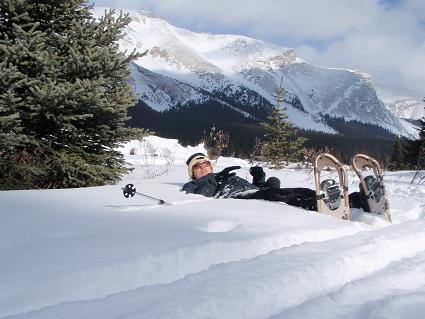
236	187
208	186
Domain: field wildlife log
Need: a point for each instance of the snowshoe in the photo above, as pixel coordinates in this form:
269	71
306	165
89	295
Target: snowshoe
331	195
372	185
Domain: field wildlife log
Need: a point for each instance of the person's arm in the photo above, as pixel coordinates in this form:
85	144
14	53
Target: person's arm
190	187
206	185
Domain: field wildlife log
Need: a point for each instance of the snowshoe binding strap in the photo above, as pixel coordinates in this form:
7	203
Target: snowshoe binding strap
332	193
374	188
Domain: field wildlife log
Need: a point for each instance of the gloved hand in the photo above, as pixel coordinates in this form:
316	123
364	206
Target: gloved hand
257	172
225	174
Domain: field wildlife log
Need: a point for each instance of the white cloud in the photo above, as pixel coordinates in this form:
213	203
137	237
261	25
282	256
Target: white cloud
384	38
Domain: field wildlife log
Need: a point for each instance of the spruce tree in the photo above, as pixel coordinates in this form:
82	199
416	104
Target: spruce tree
64	95
397	157
281	143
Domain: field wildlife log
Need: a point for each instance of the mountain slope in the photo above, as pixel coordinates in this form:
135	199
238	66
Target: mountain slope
404	103
185	66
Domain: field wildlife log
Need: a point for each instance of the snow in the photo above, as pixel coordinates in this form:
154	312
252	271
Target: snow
92	253
183	66
404	103
412	129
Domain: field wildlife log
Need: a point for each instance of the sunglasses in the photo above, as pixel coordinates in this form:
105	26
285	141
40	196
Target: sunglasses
201	165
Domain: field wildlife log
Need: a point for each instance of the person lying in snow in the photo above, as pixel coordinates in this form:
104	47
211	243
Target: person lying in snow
226	184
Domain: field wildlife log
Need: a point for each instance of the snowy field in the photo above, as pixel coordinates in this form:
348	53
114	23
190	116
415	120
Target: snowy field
92	253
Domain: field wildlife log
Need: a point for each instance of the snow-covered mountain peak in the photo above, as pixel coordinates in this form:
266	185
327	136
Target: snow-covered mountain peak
234	67
177	49
195	51
405	103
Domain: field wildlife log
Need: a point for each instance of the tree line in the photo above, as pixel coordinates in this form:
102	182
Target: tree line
409	153
189	124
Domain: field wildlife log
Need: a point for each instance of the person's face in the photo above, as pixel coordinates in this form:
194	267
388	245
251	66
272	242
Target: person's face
201	169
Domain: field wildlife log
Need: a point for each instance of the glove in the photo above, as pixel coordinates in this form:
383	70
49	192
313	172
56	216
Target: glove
258	176
224	175
257	172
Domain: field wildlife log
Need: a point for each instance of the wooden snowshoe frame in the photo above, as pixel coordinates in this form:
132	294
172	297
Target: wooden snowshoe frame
326	160
360	163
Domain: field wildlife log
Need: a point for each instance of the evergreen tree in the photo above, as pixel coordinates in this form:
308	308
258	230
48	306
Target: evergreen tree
397	157
412	147
280	141
64	95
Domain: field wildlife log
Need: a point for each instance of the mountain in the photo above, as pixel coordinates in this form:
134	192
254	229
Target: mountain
404	103
407	104
184	66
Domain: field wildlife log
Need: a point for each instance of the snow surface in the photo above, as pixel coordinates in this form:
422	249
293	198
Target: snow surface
91	253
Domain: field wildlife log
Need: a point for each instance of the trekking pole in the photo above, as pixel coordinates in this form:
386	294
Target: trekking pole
129	191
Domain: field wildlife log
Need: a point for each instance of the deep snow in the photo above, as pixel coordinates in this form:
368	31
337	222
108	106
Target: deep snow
91	253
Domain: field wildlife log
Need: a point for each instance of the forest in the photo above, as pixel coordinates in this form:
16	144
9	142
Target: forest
190	124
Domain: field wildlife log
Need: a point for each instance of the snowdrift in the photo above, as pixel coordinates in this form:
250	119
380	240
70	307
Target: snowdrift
91	253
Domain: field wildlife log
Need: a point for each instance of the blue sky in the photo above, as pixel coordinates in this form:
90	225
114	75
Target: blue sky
385	38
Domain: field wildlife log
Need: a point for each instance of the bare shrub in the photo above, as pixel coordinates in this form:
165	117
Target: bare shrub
419	176
154	162
215	142
257	153
309	156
